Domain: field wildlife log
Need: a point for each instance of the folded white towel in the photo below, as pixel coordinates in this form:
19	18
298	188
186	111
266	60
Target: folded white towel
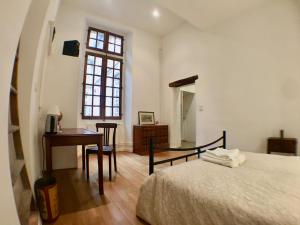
239	160
224	153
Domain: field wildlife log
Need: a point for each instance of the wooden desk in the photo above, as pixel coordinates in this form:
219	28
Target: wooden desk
75	136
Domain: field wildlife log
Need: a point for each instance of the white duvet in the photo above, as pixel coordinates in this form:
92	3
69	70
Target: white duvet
265	190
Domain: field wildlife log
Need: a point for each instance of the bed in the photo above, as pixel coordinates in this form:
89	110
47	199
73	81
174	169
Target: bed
265	190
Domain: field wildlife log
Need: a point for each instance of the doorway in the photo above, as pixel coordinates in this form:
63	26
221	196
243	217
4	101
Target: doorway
188	116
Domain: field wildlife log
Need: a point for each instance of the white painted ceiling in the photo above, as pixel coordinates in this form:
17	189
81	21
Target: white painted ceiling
206	13
136	13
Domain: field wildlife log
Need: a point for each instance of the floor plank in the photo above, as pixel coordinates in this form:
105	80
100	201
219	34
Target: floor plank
81	204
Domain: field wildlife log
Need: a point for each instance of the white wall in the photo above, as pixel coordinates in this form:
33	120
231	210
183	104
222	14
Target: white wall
11	22
33	57
248	76
60	88
65	74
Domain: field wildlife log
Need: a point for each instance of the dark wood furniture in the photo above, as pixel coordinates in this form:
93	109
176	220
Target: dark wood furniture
107	148
282	145
142	135
182	82
219	143
75	136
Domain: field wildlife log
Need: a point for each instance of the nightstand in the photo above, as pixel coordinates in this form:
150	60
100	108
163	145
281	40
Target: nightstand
282	145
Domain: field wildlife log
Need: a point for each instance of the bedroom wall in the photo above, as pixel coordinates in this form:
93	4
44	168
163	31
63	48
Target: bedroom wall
11	23
33	57
64	74
248	76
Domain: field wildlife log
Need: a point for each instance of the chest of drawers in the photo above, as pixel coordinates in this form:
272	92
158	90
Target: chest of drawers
142	135
282	145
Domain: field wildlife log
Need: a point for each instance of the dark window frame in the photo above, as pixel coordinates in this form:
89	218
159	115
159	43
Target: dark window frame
103	95
105	42
105	54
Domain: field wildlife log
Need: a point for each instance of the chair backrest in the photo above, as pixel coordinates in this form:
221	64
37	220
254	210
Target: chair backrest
106	131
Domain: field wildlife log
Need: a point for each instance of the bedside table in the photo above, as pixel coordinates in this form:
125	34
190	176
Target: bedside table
282	145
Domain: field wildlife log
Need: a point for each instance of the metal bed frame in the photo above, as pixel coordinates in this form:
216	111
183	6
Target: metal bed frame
198	150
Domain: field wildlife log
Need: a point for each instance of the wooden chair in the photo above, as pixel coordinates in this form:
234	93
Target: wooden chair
107	148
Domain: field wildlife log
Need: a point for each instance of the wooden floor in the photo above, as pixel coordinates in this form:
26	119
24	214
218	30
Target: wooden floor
80	203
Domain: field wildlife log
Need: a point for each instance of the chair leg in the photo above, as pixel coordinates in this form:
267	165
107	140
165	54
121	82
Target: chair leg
83	157
115	160
87	167
109	162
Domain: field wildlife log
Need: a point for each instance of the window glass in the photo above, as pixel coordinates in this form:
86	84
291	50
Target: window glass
103	75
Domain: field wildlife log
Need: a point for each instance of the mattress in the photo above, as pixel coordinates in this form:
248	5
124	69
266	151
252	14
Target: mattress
265	190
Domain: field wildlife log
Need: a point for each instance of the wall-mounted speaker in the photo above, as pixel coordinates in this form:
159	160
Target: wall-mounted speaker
71	48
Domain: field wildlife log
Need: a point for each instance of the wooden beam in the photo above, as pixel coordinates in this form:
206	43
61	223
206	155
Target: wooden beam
182	82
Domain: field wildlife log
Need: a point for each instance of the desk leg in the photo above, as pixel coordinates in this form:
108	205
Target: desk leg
83	157
48	156
100	167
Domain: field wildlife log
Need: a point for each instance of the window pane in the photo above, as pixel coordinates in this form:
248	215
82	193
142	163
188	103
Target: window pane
116	102
100	36
108	101
108	111
112	39
100	44
96	111
98	61
110	72
88	100
109	82
116	83
97	70
87	110
96	100
92	43
110	63
92	98
116	112
116	92
108	91
89	89
117	49
97	80
117	65
90	59
111	47
96	90
90	69
118	41
117	74
93	34
89	79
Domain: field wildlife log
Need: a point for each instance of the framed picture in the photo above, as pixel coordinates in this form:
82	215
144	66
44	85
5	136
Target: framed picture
146	118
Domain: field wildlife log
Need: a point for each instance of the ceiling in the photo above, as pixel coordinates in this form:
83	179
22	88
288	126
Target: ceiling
207	13
136	13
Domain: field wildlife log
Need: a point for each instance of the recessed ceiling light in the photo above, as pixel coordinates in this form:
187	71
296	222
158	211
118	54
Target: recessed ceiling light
156	13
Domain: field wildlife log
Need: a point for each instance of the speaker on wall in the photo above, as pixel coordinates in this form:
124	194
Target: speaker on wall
71	48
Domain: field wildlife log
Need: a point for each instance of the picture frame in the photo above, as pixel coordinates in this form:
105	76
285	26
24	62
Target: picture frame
146	118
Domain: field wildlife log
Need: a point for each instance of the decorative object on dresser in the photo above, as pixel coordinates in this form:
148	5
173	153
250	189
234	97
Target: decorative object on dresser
143	133
282	144
146	118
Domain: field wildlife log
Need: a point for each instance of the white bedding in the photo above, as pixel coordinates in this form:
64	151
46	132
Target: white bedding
265	190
